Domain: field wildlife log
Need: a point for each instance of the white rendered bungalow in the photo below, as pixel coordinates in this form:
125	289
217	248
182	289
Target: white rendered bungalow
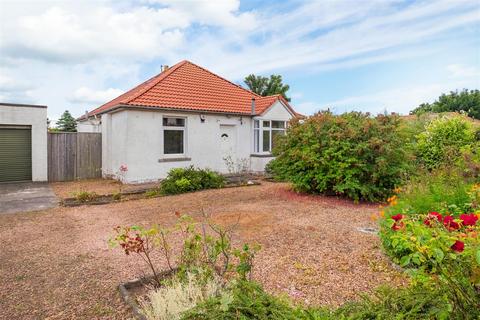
186	116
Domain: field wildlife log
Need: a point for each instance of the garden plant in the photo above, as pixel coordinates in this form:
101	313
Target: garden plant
353	154
181	180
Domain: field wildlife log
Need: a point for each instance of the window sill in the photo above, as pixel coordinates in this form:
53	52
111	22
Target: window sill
262	155
174	159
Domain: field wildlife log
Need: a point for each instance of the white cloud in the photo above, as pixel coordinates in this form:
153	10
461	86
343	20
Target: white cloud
76	51
463	71
90	96
60	34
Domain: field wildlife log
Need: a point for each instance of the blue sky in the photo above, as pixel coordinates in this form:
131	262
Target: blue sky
343	55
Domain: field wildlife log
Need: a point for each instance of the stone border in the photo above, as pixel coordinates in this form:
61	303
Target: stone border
129	285
108	198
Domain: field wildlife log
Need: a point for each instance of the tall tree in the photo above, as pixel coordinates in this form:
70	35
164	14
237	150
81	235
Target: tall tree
467	101
67	123
267	86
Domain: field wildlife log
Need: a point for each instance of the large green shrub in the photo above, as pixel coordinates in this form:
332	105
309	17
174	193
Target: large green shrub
443	140
352	154
181	180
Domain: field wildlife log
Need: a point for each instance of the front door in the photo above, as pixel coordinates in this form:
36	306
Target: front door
228	147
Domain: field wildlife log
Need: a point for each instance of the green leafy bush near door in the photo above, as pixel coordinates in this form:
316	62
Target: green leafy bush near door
181	180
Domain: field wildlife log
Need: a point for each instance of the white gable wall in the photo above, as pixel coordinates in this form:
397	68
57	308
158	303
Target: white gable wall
277	112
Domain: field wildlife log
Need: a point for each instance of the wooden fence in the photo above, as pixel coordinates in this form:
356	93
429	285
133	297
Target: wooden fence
74	156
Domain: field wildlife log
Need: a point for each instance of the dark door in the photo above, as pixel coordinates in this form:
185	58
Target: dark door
15	154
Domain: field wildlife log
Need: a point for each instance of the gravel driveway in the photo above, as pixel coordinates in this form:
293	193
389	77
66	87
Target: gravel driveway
57	263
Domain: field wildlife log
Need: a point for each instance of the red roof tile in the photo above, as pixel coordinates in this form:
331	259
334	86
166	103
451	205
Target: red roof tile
186	86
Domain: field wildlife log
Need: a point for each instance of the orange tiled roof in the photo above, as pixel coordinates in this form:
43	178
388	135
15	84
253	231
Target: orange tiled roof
186	86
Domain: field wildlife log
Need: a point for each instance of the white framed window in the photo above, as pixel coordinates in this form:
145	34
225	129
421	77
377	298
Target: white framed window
265	133
174	136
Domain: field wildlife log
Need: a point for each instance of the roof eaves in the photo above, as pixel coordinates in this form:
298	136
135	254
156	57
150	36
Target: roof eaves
165	108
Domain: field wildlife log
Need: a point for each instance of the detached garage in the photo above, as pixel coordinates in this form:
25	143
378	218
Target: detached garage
23	142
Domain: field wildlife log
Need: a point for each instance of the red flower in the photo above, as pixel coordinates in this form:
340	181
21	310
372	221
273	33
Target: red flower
469	219
397	226
436	214
450	224
458	246
432	216
397	217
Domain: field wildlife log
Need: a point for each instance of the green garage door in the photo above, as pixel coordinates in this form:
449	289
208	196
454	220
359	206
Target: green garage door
15	154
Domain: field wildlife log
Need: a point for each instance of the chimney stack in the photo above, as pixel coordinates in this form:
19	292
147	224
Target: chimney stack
253	106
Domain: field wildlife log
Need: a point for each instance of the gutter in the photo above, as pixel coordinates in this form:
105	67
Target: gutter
120	107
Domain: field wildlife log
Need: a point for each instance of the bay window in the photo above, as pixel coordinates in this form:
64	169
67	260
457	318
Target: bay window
265	134
173	136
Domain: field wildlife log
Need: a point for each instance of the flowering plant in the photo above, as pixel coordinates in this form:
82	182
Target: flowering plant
426	240
207	248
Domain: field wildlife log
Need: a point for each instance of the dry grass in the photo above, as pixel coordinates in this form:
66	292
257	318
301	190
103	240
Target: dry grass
168	303
56	264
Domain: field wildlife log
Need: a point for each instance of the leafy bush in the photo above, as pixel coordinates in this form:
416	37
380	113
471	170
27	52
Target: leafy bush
421	300
206	249
443	140
248	300
425	300
352	154
181	180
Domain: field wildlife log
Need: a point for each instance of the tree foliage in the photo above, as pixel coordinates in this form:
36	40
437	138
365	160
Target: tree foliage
67	122
467	101
267	86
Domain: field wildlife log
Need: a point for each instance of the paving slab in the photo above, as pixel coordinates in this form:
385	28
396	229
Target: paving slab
26	196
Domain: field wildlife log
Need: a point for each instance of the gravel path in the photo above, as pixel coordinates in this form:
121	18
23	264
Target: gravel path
56	264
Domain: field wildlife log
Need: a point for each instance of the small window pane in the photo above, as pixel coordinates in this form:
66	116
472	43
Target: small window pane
275	135
173	122
256	140
266	124
173	141
278	124
266	140
256	124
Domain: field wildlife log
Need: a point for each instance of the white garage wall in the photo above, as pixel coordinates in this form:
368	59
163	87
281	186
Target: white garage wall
36	117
